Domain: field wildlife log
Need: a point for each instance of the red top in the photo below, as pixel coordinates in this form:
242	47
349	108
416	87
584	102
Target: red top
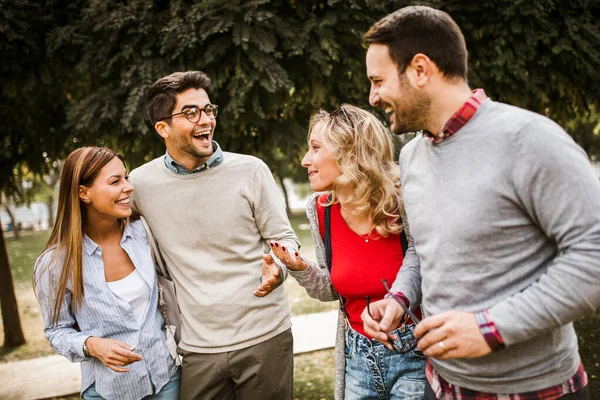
358	265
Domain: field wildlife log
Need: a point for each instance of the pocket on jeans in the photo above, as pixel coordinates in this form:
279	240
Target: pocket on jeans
409	389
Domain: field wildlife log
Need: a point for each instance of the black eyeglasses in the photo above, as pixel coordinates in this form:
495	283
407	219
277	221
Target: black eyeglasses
407	344
193	114
406	309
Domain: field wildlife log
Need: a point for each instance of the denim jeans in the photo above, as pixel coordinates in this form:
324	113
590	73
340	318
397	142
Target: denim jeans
374	372
168	392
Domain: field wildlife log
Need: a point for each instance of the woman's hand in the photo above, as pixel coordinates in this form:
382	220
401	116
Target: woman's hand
112	353
292	262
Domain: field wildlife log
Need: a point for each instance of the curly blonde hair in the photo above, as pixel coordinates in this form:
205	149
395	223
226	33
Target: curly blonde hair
364	152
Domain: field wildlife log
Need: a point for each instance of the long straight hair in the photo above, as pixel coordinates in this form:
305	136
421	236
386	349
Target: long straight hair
66	241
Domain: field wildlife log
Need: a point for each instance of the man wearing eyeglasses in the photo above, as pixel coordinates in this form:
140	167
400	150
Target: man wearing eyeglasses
213	214
504	211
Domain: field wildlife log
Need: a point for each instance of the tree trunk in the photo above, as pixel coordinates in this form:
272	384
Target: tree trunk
13	333
53	179
49	204
13	221
285	195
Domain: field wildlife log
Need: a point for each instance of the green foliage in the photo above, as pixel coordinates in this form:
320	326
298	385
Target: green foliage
541	55
272	64
31	98
77	72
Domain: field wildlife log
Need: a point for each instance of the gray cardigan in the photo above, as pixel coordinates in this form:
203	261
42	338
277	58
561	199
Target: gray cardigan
317	282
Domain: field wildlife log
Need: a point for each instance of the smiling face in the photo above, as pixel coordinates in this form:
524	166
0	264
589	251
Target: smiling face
108	196
322	167
407	107
189	143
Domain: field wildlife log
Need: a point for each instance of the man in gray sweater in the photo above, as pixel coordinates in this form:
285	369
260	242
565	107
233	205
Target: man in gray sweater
213	214
504	211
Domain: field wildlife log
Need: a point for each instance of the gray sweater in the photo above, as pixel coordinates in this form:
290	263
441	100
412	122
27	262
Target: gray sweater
505	216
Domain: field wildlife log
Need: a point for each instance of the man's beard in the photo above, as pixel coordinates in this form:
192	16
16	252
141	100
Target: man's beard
414	114
189	148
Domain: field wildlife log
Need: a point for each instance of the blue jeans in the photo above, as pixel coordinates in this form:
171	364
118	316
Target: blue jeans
168	392
374	372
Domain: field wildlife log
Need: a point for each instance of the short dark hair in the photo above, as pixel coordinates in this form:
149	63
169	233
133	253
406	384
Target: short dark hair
162	96
420	29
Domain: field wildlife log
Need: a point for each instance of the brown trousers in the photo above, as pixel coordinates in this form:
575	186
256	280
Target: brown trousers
262	371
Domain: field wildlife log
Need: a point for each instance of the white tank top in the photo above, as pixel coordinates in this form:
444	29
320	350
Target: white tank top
134	290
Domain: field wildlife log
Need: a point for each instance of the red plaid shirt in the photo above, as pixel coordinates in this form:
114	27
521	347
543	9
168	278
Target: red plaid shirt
442	388
460	118
447	391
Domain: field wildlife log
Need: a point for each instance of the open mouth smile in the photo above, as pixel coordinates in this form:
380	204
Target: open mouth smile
202	134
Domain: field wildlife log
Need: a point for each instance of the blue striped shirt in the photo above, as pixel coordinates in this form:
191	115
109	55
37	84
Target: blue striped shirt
103	314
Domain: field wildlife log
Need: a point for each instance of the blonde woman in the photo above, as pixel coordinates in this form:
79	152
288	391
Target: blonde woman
96	285
350	158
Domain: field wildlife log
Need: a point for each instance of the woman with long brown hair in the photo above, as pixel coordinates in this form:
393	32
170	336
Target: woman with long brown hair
96	285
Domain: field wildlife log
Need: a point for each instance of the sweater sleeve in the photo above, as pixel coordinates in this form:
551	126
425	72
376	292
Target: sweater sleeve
316	279
560	193
270	214
408	279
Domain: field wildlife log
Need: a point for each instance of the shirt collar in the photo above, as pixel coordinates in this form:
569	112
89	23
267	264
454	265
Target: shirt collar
460	117
89	246
213	161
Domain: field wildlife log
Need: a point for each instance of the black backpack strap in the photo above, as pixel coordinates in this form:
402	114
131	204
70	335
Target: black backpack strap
327	238
403	242
327	243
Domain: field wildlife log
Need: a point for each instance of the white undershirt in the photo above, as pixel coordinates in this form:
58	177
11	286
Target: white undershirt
134	290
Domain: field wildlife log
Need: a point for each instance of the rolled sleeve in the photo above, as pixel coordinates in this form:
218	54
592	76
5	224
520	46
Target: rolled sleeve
488	329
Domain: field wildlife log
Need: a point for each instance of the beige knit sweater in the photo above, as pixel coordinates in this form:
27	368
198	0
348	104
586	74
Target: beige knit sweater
213	228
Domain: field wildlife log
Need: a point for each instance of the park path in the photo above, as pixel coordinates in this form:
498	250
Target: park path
46	377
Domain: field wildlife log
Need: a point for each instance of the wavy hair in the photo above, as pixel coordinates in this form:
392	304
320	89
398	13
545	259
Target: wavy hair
364	152
65	246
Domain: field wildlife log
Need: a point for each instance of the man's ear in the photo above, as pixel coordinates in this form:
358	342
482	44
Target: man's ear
163	129
84	195
422	69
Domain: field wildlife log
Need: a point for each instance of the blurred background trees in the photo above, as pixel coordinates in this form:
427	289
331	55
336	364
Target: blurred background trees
76	73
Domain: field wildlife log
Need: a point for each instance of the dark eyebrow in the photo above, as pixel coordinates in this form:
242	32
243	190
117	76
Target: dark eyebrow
189	106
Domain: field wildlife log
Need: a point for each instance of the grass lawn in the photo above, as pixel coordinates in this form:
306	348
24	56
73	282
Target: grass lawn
313	374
